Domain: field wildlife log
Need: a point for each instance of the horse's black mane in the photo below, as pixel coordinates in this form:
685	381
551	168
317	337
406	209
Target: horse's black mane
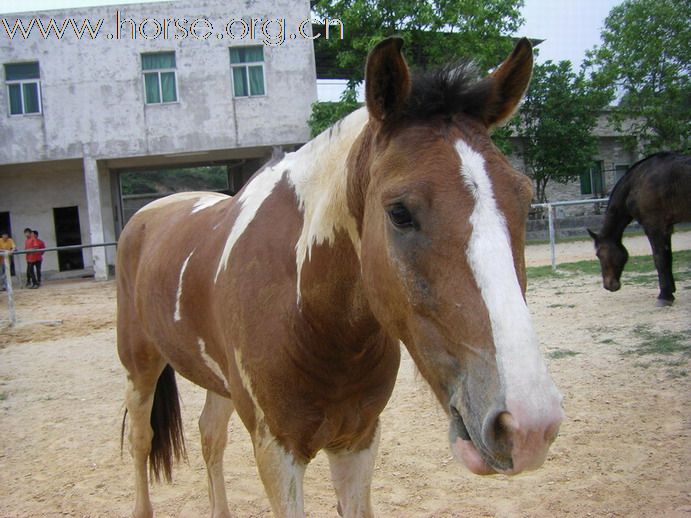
449	90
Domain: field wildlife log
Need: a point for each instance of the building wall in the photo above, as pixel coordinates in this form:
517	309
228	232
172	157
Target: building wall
30	197
93	93
94	112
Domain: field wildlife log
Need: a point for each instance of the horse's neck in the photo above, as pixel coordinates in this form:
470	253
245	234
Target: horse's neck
328	248
617	216
318	175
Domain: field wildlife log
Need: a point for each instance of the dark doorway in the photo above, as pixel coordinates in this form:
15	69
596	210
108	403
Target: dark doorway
6	226
68	232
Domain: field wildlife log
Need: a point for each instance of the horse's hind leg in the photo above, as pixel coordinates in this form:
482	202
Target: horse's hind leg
139	398
213	428
351	473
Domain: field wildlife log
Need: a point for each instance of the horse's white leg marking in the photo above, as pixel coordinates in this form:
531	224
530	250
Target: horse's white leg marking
321	185
250	201
213	428
140	435
176	314
211	364
208	200
351	473
281	474
522	371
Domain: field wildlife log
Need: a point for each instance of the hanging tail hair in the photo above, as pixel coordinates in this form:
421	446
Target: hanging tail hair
168	440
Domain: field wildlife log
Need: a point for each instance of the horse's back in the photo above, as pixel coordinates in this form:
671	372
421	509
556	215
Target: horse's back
662	189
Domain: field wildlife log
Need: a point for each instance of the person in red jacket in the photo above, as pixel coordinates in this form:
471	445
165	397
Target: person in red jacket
38	257
31	258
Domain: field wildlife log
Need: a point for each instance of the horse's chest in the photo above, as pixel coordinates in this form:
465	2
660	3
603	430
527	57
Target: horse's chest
334	404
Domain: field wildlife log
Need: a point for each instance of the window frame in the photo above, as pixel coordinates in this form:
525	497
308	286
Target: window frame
595	168
246	65
158	72
21	83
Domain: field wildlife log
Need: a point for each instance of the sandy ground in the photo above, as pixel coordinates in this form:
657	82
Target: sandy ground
624	450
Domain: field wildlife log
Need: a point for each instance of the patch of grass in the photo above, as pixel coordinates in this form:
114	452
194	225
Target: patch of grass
562	306
641	264
3	396
562	353
607	341
661	342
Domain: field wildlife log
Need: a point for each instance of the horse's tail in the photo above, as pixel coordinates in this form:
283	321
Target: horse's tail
166	423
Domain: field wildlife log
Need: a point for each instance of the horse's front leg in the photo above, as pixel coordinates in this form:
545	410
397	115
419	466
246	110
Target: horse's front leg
281	473
351	473
661	244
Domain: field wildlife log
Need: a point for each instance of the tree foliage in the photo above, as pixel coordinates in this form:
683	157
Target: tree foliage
555	124
324	114
434	31
645	57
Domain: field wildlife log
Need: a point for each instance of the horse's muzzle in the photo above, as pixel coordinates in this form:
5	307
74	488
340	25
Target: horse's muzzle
611	284
507	443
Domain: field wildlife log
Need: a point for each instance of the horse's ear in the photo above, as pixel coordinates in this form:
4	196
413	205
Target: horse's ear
592	234
508	84
387	79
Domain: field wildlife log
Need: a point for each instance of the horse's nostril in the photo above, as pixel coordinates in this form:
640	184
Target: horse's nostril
499	432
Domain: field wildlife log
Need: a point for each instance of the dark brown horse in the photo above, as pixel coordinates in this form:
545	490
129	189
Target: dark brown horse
656	192
288	301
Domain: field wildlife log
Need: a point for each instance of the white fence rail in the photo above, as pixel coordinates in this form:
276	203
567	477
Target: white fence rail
5	259
5	256
551	218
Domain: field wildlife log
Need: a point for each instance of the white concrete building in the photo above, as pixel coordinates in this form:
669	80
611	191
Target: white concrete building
92	94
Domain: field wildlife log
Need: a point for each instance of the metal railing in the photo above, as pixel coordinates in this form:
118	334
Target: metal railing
550	221
5	259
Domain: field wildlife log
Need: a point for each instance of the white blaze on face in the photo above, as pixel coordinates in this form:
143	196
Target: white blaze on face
527	385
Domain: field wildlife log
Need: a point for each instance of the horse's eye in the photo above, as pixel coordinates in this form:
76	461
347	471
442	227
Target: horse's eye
400	216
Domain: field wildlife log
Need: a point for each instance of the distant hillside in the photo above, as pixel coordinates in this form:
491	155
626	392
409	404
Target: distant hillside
160	181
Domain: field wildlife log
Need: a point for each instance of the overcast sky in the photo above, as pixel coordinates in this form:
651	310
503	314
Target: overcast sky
569	27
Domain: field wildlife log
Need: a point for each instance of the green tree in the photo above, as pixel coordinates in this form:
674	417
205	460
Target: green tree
324	114
645	57
435	32
555	124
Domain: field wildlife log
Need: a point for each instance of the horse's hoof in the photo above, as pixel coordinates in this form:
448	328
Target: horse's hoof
661	303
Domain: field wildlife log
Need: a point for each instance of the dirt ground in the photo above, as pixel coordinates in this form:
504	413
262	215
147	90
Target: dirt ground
624	450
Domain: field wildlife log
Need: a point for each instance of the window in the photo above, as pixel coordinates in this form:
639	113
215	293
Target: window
247	66
159	77
591	180
23	88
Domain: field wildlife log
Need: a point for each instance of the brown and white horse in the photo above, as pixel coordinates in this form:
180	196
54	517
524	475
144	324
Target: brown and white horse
288	301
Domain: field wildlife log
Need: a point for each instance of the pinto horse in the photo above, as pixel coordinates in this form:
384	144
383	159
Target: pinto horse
289	301
656	192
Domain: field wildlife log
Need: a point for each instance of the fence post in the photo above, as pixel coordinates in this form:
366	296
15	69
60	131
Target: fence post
8	286
552	238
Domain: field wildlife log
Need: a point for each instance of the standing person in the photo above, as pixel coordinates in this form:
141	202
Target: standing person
38	256
29	244
6	245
